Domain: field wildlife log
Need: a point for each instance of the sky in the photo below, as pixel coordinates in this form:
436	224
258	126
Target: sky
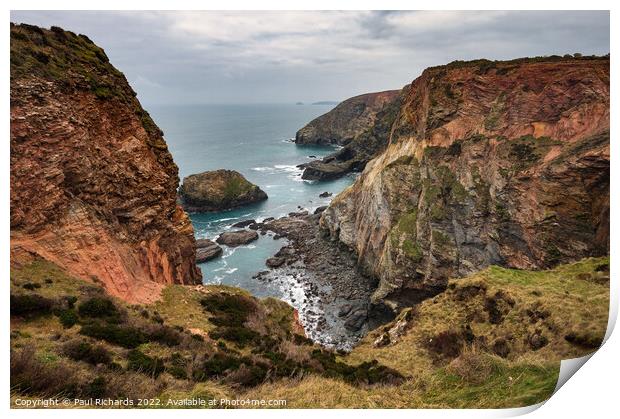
189	57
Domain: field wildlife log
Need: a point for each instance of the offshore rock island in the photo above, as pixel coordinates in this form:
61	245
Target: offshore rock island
472	248
218	190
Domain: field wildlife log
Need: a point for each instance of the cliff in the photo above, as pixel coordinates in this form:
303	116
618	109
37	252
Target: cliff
93	186
346	121
359	125
488	163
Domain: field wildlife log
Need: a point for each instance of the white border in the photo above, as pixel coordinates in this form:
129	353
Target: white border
593	393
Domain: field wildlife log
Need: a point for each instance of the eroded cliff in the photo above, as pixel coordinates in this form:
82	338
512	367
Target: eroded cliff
346	121
93	186
488	163
359	124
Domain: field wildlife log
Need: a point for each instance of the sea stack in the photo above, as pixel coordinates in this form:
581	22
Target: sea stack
218	190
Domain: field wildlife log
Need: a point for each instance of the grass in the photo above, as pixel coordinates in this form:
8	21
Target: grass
74	62
235	186
568	305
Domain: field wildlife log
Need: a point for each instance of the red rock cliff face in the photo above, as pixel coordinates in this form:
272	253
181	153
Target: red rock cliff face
487	163
93	186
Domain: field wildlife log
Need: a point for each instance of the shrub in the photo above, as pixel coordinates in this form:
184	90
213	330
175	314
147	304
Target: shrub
230	314
584	338
166	335
365	373
30	376
302	340
30	305
229	310
178	366
138	361
68	318
71	300
81	350
157	318
217	365
96	388
98	307
248	376
447	344
472	366
240	335
125	336
31	286
177	372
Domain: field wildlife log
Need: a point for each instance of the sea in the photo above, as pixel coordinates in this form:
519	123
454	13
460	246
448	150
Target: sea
257	141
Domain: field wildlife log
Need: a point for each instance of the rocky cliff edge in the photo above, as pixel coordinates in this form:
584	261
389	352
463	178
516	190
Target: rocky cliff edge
487	163
93	185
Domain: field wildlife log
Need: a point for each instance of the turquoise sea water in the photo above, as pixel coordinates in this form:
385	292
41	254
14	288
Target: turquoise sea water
256	141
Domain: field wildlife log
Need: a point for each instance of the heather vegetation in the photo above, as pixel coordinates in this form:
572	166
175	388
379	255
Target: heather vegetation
457	349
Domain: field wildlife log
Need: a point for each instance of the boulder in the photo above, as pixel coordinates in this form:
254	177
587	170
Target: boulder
344	310
237	238
275	262
298	213
206	250
320	210
325	194
356	320
217	191
244	223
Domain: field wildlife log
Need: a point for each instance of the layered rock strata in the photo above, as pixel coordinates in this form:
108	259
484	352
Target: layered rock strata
488	163
93	185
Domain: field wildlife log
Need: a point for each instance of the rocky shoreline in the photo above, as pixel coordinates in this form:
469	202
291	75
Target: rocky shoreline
331	294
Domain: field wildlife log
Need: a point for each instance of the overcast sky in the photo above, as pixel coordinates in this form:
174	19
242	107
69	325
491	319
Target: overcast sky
278	57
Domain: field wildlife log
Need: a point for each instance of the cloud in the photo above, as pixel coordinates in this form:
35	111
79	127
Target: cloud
270	56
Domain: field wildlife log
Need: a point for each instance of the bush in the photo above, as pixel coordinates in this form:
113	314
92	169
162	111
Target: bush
138	361
177	372
68	318
166	335
71	300
31	286
302	340
218	364
240	335
584	338
365	373
98	307
30	376
178	367
229	310
447	344
96	388
30	305
80	350
248	376
230	314
125	336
